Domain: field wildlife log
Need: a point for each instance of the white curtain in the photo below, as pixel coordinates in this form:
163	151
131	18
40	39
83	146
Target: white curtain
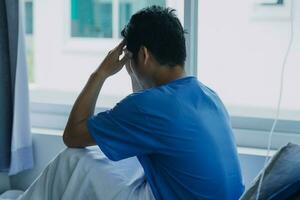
15	138
21	145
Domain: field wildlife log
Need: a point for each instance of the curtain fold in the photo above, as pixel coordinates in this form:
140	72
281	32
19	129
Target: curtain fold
15	138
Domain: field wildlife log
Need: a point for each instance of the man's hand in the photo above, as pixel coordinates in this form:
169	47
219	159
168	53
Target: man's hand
76	133
112	63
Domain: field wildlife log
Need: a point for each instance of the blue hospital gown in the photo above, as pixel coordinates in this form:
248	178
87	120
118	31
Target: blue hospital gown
181	135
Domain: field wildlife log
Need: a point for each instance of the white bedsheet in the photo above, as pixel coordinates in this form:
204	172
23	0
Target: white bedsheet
87	174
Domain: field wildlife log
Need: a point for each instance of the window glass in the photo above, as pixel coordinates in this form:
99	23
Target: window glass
28	17
241	47
91	18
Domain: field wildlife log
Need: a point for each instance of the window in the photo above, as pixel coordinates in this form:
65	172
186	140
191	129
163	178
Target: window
240	53
67	45
241	47
91	18
94	18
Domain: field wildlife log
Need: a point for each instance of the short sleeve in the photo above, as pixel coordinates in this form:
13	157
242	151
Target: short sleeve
122	132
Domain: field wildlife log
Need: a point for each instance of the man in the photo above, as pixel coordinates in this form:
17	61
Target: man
177	127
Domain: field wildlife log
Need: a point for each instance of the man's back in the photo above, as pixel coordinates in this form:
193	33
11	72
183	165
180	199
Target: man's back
182	136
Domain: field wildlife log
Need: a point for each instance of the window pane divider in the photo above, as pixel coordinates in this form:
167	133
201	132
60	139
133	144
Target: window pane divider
191	26
115	19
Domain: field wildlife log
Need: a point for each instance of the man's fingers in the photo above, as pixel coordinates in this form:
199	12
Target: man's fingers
121	45
125	59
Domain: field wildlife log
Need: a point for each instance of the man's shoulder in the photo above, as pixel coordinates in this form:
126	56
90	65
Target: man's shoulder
149	100
145	96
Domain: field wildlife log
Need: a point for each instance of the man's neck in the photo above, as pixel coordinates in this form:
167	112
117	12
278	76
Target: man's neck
167	74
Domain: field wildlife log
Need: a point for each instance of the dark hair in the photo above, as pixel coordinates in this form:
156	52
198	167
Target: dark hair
159	30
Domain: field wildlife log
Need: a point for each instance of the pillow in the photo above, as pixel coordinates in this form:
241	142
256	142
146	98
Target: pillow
282	170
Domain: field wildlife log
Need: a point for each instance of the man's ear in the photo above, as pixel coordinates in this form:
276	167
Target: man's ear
144	54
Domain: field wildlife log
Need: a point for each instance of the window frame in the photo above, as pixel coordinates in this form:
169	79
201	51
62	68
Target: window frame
191	26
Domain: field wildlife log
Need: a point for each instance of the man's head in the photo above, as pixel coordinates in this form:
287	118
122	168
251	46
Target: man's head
155	37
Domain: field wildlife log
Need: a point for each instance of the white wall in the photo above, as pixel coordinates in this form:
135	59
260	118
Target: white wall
4	182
